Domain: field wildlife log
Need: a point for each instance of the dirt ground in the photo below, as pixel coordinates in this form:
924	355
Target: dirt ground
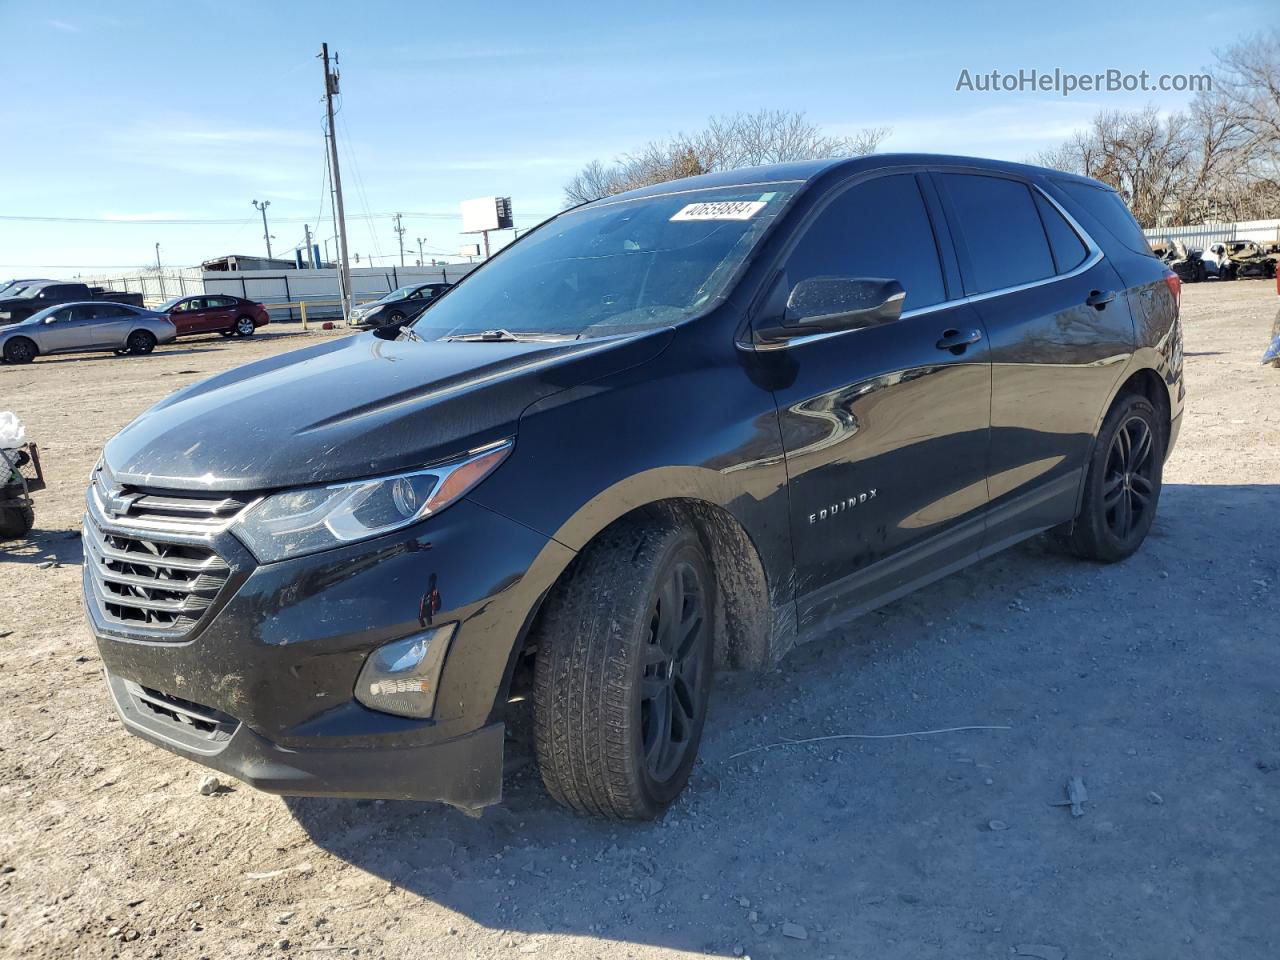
1157	681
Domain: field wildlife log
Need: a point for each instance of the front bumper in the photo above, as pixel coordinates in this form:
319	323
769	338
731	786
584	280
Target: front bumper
465	771
262	686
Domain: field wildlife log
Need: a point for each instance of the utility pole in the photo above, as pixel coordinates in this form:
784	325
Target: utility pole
344	265
157	256
400	231
421	262
266	234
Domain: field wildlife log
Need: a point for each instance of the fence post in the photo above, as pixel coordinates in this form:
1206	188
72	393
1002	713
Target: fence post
288	297
302	307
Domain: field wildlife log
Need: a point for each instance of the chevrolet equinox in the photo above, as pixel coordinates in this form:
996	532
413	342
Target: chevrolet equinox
671	431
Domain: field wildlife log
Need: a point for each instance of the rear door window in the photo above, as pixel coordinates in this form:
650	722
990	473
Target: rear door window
878	228
999	231
1068	249
1108	209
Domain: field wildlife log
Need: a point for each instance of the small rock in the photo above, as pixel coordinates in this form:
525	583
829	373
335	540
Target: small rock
113	932
131	936
286	917
282	943
209	786
795	931
997	825
1131	752
1153	797
47	564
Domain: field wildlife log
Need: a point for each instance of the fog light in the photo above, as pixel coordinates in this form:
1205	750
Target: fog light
403	676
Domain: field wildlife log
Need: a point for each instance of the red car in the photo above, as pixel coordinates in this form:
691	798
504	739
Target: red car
216	313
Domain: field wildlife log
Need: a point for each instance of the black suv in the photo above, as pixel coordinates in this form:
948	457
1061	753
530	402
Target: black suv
672	431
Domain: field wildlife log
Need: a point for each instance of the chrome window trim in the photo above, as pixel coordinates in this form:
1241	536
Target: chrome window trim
1092	258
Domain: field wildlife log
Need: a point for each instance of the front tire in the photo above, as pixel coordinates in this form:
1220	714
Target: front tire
16	522
141	342
623	671
20	350
1122	489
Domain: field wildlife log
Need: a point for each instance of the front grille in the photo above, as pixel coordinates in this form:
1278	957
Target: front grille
151	564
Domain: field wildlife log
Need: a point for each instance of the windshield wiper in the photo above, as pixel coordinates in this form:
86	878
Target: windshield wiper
407	333
506	336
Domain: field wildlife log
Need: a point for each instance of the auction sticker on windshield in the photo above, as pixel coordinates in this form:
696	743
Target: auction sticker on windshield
720	210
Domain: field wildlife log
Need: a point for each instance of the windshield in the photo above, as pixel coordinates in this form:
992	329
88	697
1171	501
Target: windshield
398	294
613	267
170	304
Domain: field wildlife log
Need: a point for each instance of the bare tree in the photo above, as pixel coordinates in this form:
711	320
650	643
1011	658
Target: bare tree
1220	160
725	143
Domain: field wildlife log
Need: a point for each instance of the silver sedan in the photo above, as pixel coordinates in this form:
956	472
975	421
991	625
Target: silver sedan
82	327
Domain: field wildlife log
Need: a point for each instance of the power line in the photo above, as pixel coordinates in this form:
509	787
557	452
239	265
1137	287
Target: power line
231	221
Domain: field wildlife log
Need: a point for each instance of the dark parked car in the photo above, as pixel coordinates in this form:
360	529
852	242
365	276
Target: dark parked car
676	430
398	306
216	313
18	304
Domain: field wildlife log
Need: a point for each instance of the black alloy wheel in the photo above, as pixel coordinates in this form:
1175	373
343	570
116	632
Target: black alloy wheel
672	692
1128	486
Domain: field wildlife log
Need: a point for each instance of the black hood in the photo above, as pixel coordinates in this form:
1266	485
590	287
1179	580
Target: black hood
353	407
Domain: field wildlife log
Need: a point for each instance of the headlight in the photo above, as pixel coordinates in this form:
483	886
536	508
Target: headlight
298	522
403	676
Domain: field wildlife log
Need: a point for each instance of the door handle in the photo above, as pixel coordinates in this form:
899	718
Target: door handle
1098	299
958	340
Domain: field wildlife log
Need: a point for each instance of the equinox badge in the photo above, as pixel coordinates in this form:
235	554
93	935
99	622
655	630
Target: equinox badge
840	506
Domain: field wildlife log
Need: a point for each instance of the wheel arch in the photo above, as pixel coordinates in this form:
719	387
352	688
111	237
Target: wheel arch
16	337
752	631
1142	381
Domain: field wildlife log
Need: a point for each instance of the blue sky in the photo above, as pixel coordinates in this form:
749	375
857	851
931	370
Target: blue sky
141	110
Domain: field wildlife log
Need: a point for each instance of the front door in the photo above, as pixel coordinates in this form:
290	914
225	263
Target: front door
73	328
885	428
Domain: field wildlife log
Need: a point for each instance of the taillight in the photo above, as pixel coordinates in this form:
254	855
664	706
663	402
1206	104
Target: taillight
1175	287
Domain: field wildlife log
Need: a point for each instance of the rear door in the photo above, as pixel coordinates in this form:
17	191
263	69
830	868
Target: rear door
884	428
112	323
220	313
1061	331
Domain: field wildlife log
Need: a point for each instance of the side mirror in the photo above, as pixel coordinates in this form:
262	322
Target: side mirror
830	304
50	319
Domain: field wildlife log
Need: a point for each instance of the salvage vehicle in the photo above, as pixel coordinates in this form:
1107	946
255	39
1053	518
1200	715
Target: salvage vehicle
85	328
216	313
672	431
1248	260
41	294
1187	262
398	305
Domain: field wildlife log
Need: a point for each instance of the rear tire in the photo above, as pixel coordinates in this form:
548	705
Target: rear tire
623	671
20	350
16	522
1122	488
244	327
141	342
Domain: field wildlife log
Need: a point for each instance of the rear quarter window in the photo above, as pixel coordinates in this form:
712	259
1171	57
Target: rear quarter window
1105	206
1069	250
